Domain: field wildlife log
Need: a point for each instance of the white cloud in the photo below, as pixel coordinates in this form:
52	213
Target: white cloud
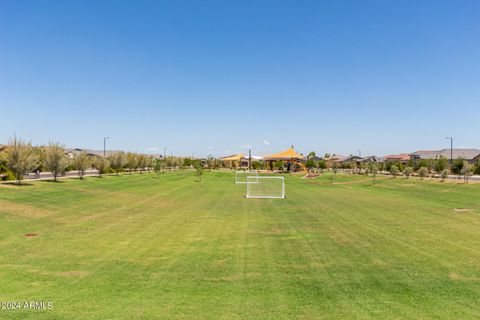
266	142
210	147
247	146
153	149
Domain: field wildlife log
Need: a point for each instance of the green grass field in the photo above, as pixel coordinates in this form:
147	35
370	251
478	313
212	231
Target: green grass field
165	247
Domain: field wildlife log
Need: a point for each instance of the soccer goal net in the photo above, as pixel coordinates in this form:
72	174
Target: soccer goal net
241	176
269	187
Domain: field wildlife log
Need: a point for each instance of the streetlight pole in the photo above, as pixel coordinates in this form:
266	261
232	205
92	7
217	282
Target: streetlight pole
451	151
105	145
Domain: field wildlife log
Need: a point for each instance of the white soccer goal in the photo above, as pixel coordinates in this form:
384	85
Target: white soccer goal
265	187
241	176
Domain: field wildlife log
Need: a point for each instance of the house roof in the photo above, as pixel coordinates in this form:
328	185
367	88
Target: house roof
468	154
352	158
90	152
335	158
371	159
289	154
397	157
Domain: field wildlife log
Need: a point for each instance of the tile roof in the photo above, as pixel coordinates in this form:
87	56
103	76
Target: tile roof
465	153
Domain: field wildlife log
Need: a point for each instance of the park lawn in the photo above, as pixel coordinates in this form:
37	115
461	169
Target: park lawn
167	247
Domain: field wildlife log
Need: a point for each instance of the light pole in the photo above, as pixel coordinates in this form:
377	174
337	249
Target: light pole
105	145
451	151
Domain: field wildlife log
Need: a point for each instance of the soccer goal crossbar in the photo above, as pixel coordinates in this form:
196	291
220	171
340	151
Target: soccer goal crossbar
265	187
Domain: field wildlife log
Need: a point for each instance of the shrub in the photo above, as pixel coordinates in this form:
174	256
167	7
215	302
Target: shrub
422	172
457	166
444	174
440	164
322	164
408	172
394	171
476	168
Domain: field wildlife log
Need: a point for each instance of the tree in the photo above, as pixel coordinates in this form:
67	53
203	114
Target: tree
408	171
141	162
157	165
131	161
55	159
444	174
21	158
81	162
210	162
466	171
476	167
422	172
311	154
373	168
198	170
187	162
457	166
422	163
394	171
102	165
440	164
278	165
118	161
310	164
322	164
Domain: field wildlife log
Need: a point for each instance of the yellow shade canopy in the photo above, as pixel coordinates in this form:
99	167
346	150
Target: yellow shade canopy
288	154
235	157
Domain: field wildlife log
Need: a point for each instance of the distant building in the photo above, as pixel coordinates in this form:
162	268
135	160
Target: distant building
335	159
352	159
402	158
470	155
99	153
372	159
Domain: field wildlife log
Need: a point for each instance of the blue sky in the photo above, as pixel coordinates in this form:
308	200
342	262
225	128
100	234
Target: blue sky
213	77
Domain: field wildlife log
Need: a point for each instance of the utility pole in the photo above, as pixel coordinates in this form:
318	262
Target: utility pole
451	151
105	145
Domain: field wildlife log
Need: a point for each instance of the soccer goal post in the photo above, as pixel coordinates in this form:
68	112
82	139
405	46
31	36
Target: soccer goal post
241	176
265	187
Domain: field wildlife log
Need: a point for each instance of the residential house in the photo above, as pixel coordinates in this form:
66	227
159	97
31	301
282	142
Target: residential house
403	158
470	155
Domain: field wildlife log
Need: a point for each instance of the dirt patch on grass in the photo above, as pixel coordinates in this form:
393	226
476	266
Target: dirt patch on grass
237	277
462	210
458	277
22	210
31	234
80	274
